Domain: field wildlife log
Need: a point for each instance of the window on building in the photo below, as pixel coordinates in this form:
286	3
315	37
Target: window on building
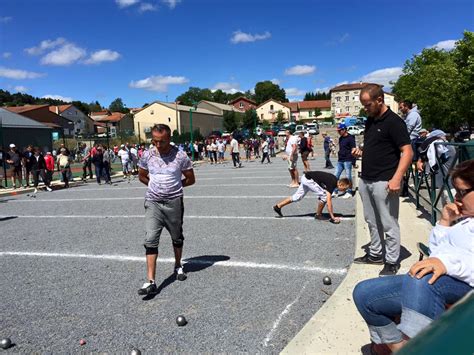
347	108
241	105
347	98
261	116
338	98
152	112
310	113
169	119
333	104
271	107
347	92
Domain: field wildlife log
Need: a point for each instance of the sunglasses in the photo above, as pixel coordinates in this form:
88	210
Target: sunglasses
463	193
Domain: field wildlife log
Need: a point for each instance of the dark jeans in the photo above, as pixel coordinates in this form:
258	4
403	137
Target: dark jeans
265	156
327	156
106	171
65	176
236	159
36	175
419	303
99	168
87	165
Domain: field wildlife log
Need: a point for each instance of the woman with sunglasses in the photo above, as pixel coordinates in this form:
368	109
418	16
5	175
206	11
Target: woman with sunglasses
444	278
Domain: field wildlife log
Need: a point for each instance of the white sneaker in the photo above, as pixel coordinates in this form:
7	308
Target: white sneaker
334	195
49	189
347	195
36	191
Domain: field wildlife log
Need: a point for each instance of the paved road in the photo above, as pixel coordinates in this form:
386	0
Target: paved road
72	261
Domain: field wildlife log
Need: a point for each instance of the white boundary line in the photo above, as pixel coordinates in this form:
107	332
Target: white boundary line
187	197
242	264
186	217
272	331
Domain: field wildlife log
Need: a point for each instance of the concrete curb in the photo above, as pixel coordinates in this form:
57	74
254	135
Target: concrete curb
337	328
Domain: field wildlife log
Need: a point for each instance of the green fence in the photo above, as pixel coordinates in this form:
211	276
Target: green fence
421	180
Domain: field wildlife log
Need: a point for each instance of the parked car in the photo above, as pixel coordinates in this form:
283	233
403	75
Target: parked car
462	136
312	128
355	130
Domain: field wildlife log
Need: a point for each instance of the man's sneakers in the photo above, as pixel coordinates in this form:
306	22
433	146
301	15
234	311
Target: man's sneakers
49	188
368	259
180	275
148	288
348	194
277	210
389	269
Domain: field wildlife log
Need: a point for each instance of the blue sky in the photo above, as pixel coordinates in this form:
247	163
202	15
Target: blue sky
145	50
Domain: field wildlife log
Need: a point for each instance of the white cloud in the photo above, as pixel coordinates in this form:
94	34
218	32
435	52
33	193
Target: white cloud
20	88
104	55
447	45
294	99
230	88
294	92
300	70
66	55
275	81
5	19
147	7
171	3
6	55
18	74
342	83
45	45
57	97
324	89
383	76
126	3
242	37
158	83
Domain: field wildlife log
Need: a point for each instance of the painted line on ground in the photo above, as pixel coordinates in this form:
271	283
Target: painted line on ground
242	264
188	197
274	218
277	322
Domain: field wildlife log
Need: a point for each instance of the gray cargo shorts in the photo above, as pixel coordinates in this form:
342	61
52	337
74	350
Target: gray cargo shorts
164	214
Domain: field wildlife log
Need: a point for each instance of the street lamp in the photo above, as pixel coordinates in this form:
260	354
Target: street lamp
191	128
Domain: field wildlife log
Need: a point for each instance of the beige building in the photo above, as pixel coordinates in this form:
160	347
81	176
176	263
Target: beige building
270	108
217	108
345	100
177	117
307	110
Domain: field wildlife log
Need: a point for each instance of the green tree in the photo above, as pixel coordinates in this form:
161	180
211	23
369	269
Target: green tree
219	96
265	90
309	96
280	119
193	95
249	119
95	107
230	121
317	113
265	125
118	106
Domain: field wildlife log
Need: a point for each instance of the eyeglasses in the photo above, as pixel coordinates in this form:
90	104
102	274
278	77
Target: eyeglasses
463	193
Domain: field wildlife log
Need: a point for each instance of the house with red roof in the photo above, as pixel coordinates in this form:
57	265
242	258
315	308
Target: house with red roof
83	124
243	103
116	123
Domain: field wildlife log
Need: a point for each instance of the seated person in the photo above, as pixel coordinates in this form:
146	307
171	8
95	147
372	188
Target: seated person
445	277
322	184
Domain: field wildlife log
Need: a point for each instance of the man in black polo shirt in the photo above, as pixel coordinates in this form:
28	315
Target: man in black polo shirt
387	155
322	184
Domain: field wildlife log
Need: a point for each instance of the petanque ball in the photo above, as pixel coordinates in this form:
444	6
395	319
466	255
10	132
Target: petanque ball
327	280
136	352
181	321
82	342
5	343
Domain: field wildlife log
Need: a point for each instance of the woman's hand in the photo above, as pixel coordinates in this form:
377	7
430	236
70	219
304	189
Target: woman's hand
427	266
450	213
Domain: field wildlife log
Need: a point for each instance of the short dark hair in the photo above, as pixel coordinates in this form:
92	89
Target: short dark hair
408	104
374	91
465	172
160	127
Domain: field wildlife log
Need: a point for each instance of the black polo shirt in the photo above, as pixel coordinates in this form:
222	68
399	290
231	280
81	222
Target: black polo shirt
383	138
326	180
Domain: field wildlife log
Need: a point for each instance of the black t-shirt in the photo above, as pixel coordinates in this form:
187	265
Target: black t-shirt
326	180
304	145
15	157
383	138
346	144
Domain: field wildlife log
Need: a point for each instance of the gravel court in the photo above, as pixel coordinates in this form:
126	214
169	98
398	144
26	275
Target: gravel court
233	307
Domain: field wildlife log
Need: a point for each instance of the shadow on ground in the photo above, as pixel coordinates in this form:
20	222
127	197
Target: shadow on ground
194	264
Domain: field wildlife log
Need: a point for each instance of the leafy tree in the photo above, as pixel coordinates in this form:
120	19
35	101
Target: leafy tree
145	104
280	119
83	107
265	125
249	119
362	112
193	95
317	112
95	107
219	96
230	121
265	90
309	96
118	106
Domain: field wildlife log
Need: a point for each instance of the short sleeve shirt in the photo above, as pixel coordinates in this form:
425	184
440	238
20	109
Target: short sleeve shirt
326	180
346	144
383	139
234	145
165	172
289	145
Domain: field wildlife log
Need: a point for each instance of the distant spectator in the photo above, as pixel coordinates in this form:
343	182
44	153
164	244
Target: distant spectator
328	145
38	169
64	163
125	159
86	162
413	121
344	156
27	163
13	158
304	150
49	161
